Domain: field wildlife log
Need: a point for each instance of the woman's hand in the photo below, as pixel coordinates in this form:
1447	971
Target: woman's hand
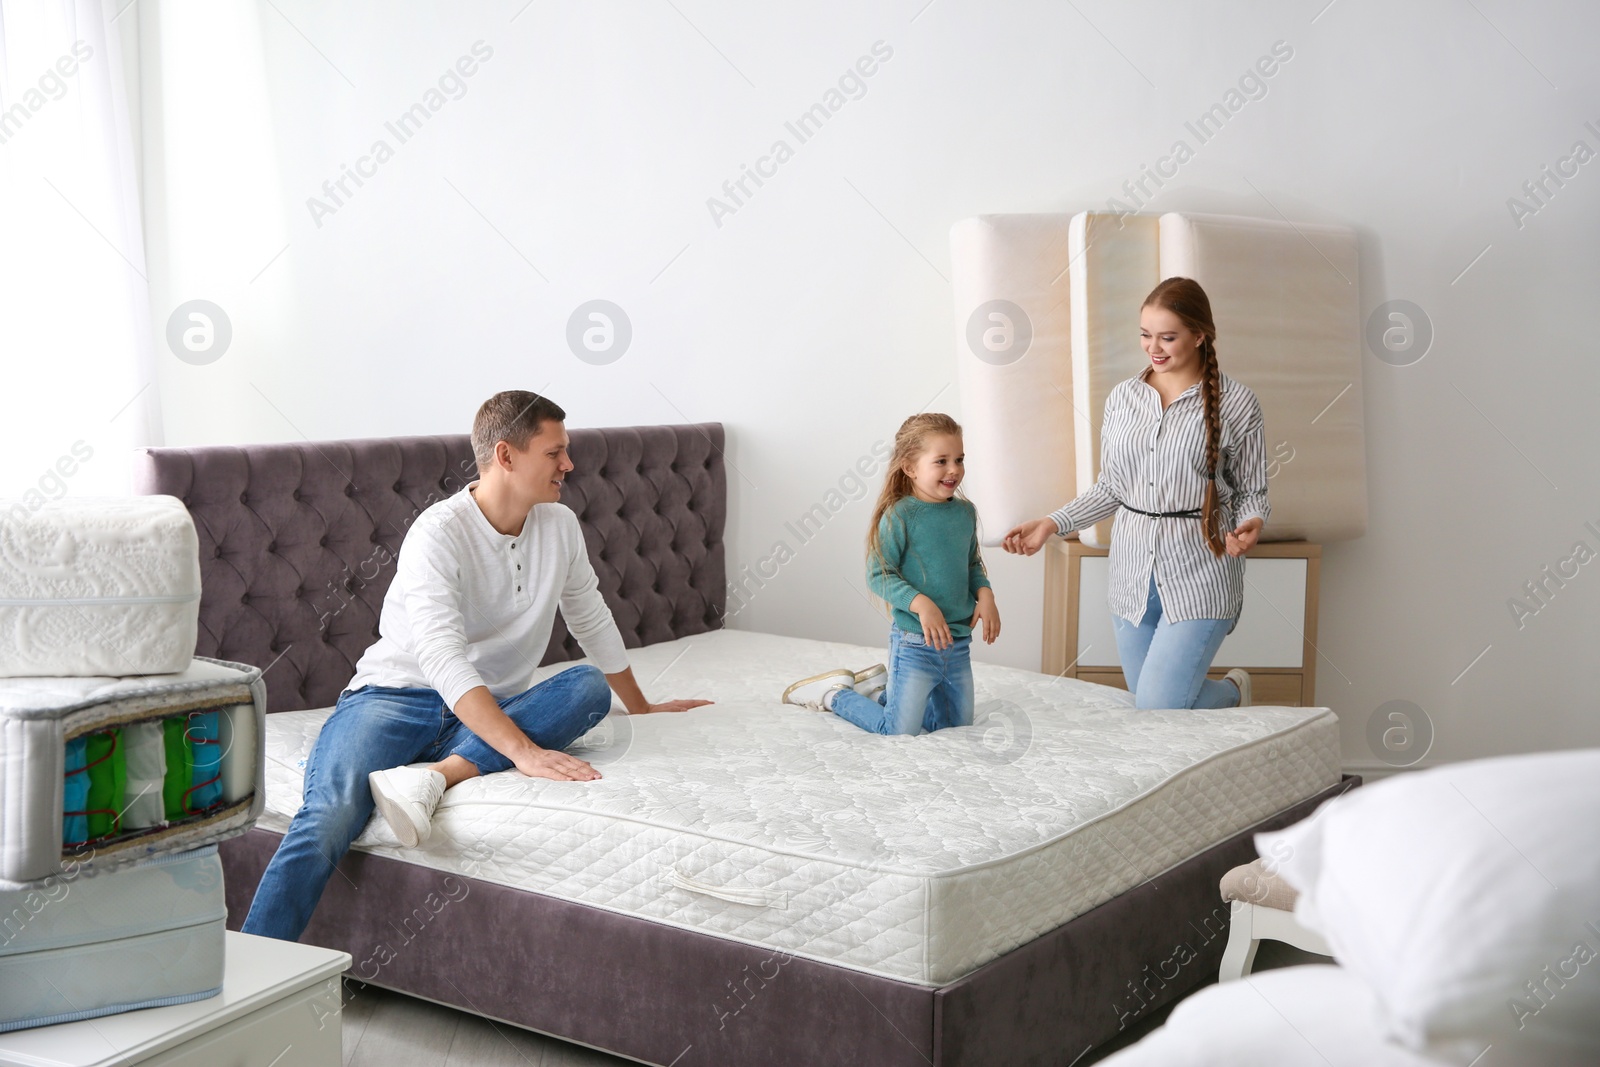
988	614
935	631
1244	538
1029	537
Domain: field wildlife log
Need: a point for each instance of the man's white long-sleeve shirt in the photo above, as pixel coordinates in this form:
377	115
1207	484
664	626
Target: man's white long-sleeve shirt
471	606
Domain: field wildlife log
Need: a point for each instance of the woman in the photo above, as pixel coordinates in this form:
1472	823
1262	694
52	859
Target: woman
1182	456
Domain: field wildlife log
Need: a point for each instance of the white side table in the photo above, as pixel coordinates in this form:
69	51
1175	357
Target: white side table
279	1007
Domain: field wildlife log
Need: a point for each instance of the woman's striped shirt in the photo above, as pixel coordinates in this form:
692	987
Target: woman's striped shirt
1154	460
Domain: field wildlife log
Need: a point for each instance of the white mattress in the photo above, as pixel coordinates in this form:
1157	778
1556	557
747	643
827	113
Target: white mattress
1009	281
91	943
98	587
1286	300
1114	267
915	858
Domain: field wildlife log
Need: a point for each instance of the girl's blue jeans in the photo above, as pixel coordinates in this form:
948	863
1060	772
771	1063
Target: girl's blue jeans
1165	663
928	689
374	728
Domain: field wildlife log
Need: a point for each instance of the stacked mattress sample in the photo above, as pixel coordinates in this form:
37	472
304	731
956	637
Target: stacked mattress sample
1286	304
915	858
86	942
123	759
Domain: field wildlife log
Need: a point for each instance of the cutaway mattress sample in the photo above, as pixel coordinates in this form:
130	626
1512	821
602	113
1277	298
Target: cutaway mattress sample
101	772
1286	301
1013	365
87	942
915	858
98	587
1115	264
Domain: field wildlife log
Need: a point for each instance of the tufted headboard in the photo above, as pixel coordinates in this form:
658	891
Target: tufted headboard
298	542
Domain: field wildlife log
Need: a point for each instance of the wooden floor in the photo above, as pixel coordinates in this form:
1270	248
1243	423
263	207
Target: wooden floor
385	1029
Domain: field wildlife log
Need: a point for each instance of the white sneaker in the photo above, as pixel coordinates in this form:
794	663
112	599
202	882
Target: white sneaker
813	692
872	681
1241	679
406	797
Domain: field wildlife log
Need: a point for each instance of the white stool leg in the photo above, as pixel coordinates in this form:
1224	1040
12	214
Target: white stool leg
1240	954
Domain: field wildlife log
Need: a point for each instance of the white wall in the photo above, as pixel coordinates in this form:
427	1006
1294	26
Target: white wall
578	164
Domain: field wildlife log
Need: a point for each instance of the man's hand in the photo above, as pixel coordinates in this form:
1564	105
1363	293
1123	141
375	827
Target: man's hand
1244	538
988	614
672	705
627	689
550	763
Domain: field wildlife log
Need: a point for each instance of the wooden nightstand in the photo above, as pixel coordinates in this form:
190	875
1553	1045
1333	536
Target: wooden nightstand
1275	639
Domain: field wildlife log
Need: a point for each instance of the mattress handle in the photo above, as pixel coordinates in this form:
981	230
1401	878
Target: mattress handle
763	898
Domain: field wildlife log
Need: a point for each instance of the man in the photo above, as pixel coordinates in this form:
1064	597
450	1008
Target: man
445	693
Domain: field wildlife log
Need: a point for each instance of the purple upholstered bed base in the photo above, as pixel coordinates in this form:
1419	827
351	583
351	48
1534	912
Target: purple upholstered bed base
297	547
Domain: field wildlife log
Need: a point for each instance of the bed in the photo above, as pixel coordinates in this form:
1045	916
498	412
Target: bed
749	883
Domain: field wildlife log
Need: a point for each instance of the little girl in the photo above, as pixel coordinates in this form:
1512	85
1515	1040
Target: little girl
922	559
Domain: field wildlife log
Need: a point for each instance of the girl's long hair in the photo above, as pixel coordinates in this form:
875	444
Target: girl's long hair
1185	299
910	441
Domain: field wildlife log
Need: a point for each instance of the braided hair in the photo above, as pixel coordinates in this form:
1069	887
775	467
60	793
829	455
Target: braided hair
1185	299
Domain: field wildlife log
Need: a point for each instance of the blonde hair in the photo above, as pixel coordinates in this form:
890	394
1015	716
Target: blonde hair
910	442
1185	299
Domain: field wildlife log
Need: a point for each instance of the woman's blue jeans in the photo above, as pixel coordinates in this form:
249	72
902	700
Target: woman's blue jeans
374	728
928	689
1165	663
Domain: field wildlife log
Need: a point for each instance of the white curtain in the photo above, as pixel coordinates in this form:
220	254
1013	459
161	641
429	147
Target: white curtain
77	360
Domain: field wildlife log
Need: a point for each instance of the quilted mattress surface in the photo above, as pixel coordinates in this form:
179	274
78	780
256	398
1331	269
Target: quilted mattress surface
98	587
916	858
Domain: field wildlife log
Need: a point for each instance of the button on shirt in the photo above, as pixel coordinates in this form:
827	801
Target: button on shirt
1154	459
472	606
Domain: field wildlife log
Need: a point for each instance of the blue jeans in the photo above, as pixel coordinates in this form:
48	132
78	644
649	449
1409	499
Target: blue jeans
1165	663
373	728
928	689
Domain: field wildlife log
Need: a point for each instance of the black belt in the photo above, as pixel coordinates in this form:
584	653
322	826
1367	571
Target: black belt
1192	513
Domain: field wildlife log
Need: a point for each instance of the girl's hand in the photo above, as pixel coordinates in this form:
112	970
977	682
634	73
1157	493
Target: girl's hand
1029	537
935	631
988	614
1244	538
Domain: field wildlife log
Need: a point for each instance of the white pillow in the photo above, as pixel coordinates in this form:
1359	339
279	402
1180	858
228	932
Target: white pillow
1468	898
1294	1017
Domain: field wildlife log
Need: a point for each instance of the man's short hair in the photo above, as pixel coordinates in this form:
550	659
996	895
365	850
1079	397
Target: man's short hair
514	417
